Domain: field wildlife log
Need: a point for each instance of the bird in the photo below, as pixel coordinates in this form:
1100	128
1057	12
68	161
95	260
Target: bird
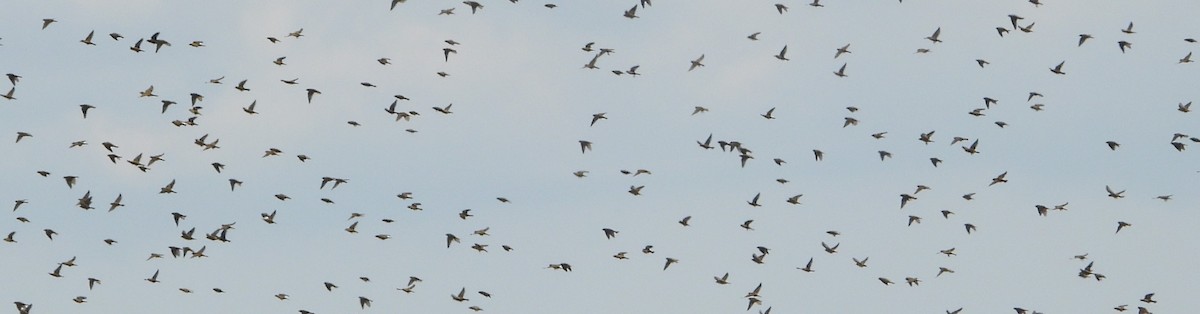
460	297
696	63
781	8
153	278
631	13
312	92
707	144
770	114
444	110
84	108
88	40
597	117
829	249
999	179
934	38
1058	68
669	262
158	43
585	146
1149	298
9	94
169	188
112	206
241	86
782	54
609	233
843	50
1112	145
754	36
1027	28
1122	225
685	221
1128	29
1184	108
447	51
1112	194
1083	38
755	293
850	121
364	302
905	198
1124	44
1186	59
807	267
1013	18
723	280
972	149
841	72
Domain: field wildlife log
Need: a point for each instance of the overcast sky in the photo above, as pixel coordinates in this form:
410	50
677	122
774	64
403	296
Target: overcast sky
522	102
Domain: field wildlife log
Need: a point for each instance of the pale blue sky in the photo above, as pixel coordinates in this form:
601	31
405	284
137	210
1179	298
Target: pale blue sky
522	101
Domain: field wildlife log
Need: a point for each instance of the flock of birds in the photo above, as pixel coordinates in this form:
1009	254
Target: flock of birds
23	231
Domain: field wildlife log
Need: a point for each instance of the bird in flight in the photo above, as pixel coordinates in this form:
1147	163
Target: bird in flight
843	50
934	38
696	63
1058	68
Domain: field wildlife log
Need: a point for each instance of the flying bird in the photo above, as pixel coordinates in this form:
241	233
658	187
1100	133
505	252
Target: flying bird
999	179
841	72
696	63
88	40
1124	44
807	267
1112	194
669	262
585	146
311	92
843	50
934	37
1084	37
631	13
1058	68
